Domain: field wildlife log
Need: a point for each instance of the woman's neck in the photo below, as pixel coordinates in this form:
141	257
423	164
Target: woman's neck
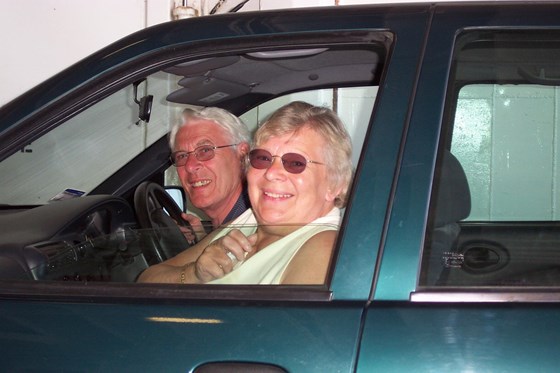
267	235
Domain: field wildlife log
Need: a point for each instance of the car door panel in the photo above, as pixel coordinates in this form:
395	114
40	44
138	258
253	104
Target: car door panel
178	338
131	327
451	337
452	328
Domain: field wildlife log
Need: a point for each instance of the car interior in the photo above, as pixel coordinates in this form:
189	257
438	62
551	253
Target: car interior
87	200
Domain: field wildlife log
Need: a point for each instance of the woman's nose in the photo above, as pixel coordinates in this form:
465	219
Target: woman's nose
276	169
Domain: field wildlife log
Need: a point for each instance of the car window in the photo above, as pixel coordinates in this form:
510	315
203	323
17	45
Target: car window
83	171
494	218
87	149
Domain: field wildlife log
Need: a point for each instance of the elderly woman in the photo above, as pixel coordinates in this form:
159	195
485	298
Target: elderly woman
299	174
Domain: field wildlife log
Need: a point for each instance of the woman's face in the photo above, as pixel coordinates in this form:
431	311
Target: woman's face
280	197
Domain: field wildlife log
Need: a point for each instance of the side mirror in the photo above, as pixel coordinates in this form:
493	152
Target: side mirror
178	195
144	104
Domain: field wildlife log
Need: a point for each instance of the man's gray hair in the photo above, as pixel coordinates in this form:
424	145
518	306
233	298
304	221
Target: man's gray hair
234	126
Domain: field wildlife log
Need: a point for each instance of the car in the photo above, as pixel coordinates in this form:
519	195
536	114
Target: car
448	255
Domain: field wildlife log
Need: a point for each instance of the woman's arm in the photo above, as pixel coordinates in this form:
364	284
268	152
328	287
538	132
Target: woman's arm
204	262
179	269
311	263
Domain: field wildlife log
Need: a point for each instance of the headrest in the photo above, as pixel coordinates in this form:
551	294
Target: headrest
453	196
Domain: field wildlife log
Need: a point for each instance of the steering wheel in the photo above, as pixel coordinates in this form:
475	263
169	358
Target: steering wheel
167	240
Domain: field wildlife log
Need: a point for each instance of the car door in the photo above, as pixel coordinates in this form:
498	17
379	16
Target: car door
87	326
467	280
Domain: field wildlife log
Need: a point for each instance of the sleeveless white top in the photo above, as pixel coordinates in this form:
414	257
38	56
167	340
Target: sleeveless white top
267	266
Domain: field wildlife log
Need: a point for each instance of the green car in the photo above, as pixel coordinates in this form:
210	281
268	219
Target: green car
448	255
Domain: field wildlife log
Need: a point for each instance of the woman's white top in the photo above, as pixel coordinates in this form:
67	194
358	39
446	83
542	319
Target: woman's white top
267	266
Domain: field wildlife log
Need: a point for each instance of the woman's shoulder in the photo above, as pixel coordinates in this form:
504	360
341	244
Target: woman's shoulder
310	264
322	238
333	218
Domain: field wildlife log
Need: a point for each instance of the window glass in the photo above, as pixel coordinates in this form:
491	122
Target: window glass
505	138
494	218
85	150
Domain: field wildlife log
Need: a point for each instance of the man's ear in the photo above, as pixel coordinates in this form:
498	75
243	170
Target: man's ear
243	149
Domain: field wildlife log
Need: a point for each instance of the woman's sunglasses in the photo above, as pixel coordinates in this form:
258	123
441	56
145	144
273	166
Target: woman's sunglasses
294	163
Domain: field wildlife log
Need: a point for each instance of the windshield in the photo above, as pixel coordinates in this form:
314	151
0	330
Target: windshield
79	155
84	151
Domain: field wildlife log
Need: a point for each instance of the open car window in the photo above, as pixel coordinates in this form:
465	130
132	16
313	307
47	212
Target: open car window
76	178
89	148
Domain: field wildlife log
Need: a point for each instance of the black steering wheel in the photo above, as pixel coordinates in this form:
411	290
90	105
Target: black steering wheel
167	240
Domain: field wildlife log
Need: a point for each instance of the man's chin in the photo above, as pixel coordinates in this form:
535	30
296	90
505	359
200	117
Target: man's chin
200	201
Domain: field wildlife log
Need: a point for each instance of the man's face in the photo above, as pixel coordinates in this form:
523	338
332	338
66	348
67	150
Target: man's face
210	184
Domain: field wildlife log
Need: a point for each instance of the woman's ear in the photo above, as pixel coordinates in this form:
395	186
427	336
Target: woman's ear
333	193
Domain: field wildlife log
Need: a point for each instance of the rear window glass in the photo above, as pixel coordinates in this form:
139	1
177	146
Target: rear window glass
494	218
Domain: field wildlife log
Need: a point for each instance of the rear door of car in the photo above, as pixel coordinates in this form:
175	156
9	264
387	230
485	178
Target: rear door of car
480	293
48	326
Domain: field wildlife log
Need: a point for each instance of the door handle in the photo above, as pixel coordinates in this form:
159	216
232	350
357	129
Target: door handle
238	367
484	257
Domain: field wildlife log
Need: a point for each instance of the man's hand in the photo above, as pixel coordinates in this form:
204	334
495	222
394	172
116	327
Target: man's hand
195	232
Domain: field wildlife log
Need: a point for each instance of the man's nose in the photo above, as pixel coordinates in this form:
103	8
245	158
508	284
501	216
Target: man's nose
192	164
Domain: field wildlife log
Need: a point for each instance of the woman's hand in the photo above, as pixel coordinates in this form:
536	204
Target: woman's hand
220	257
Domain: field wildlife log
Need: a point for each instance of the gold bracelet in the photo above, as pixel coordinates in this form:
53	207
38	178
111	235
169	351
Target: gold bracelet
183	275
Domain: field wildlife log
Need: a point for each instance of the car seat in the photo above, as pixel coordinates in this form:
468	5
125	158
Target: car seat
451	204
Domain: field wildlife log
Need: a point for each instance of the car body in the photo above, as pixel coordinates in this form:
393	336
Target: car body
447	257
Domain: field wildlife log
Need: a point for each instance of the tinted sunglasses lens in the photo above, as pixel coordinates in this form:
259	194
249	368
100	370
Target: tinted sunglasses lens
294	163
260	159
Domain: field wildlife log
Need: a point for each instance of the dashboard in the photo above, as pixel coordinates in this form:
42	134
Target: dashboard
90	238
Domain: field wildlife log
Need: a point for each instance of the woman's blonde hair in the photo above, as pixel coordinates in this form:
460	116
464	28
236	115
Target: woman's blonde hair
296	115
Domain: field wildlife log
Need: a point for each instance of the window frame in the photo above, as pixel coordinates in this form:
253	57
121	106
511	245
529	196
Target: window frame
436	293
98	88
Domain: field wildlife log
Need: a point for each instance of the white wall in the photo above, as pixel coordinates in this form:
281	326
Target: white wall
41	37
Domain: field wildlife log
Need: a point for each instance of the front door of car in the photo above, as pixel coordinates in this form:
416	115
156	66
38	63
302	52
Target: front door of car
154	327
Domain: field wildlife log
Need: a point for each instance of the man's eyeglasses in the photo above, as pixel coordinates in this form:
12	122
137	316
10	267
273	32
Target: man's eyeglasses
294	163
202	153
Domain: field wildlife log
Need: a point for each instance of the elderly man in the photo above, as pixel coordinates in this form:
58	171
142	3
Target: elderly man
209	148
